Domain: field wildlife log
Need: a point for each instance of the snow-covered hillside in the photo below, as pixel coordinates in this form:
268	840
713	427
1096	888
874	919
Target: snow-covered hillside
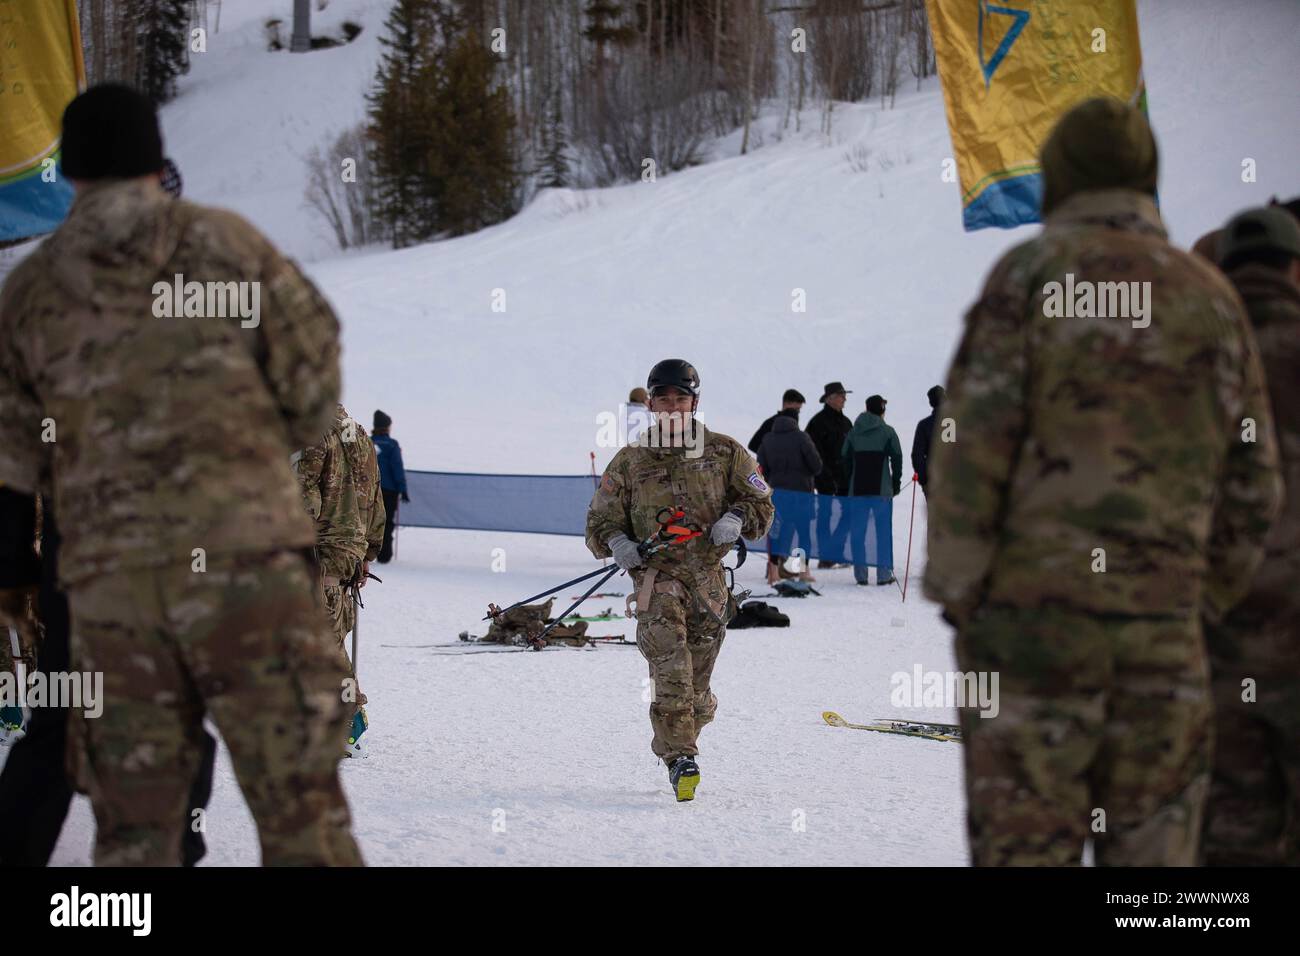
599	284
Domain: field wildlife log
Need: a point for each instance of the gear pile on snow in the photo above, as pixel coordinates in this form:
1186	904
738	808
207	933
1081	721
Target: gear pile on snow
522	626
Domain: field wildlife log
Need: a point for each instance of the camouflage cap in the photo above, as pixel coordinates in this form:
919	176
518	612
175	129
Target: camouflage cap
1270	229
1102	143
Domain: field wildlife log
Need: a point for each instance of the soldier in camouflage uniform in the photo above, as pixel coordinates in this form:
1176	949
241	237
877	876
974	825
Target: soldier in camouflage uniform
682	600
339	477
1100	494
1253	815
165	443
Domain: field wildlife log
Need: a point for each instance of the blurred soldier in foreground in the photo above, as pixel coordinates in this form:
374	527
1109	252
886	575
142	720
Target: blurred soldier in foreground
1253	817
162	427
1100	495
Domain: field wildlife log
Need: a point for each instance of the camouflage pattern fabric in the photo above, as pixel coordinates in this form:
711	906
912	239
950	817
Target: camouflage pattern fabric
339	478
1103	732
681	630
242	642
160	435
370	497
680	641
1082	433
1253	817
328	476
1075	434
341	612
165	442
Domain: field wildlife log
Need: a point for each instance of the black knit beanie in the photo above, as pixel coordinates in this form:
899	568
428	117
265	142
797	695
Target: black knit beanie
381	420
111	132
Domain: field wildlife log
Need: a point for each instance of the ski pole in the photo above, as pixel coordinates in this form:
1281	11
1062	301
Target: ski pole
356	626
547	592
608	574
907	569
669	533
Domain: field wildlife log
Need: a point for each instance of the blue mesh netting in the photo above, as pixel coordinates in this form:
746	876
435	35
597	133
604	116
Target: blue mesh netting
851	530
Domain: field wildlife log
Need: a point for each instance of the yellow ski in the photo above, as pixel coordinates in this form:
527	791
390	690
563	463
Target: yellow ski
906	728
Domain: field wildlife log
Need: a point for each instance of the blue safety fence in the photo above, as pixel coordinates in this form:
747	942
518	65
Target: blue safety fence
825	527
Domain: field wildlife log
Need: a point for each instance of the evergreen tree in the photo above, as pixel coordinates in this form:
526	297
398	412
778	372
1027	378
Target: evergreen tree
473	176
162	31
399	114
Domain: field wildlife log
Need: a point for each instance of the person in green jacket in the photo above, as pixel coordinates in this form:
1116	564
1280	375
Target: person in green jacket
873	459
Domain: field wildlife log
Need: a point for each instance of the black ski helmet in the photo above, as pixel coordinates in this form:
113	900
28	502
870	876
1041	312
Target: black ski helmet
674	373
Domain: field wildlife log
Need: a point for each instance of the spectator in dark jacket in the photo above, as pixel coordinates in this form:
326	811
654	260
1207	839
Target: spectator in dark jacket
790	462
392	478
790	401
924	435
875	462
828	429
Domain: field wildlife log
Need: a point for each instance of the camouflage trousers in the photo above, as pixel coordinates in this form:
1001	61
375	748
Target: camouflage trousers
17	608
680	641
1103	732
243	642
1253	814
342	614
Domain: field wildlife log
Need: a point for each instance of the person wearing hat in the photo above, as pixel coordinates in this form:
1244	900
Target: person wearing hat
923	436
873	459
828	429
392	478
638	415
792	403
683	602
1253	814
1100	495
184	539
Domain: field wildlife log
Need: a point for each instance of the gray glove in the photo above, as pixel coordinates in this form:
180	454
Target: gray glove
726	529
626	554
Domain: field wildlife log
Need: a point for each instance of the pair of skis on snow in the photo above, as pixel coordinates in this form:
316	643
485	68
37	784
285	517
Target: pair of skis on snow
908	728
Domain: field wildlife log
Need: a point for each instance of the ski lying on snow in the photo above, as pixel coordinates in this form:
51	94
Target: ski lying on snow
472	647
907	728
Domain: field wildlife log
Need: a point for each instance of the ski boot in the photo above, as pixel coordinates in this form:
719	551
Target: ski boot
360	723
684	775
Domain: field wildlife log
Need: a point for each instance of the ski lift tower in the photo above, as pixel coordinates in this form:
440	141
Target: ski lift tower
301	42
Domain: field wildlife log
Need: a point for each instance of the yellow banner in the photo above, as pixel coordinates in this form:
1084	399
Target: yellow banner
41	70
1009	69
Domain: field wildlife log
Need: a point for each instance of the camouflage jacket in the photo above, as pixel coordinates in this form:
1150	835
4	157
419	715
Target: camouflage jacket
158	436
339	477
1075	434
642	480
1273	304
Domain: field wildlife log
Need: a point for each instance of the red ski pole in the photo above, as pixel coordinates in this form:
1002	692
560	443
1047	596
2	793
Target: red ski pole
907	568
